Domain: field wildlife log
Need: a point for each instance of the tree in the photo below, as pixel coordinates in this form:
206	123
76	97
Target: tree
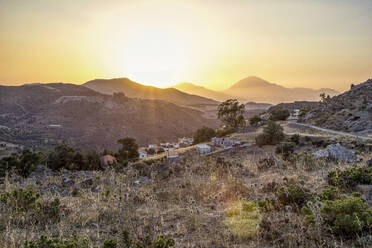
255	120
231	112
324	98
128	150
151	151
204	134
272	134
279	114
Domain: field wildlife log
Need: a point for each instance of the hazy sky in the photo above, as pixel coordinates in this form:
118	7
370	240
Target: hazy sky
294	43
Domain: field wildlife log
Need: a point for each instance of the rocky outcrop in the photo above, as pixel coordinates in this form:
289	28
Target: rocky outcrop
350	111
336	152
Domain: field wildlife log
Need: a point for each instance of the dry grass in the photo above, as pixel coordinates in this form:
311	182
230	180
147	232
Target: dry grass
194	205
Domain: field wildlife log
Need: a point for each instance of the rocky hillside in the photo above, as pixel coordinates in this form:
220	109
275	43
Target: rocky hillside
350	111
45	114
136	90
259	90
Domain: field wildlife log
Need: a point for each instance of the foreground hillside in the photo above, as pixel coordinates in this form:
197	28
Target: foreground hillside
43	115
350	111
245	197
136	90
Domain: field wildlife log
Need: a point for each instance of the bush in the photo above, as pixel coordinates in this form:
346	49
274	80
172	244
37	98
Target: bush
350	177
285	149
20	200
78	242
204	134
224	131
348	215
292	195
279	114
23	164
272	134
329	193
128	151
255	120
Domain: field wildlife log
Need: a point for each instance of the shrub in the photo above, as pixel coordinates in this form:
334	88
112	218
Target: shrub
255	120
204	134
303	111
44	242
23	163
350	177
243	219
279	114
285	149
329	193
231	112
272	134
224	131
292	195
348	215
20	200
305	159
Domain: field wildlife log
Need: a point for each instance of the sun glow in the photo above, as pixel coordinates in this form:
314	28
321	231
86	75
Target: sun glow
155	57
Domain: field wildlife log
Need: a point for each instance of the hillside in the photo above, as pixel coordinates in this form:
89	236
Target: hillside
45	114
259	90
202	91
350	111
136	90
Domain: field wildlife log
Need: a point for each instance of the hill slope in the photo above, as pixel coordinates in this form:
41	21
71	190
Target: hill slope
136	90
259	90
350	111
191	88
45	114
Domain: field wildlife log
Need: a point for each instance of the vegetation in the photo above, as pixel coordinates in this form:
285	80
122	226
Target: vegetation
324	98
255	120
243	219
222	132
128	150
350	177
204	134
303	111
292	195
272	134
285	149
125	241
23	164
231	112
279	114
66	157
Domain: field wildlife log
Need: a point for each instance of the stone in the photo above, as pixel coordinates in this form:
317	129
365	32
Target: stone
246	172
67	182
336	152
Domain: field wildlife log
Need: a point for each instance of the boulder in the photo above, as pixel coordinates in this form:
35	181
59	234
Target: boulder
336	152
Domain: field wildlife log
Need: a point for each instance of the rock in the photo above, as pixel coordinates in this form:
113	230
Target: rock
162	171
96	189
246	172
67	182
336	152
53	188
41	172
366	191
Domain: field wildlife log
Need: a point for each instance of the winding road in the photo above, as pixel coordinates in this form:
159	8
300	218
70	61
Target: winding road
333	131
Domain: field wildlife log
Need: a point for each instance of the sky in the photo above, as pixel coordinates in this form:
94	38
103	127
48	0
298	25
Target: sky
299	43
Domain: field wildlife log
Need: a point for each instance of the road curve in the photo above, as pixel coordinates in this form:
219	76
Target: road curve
333	131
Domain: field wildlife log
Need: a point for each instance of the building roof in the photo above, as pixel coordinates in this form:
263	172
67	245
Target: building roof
203	146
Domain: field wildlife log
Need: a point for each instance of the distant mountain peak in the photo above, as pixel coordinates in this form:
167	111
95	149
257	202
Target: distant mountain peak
251	81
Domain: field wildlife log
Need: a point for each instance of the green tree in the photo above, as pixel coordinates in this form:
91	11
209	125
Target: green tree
272	134
279	114
254	120
231	112
204	134
324	98
128	150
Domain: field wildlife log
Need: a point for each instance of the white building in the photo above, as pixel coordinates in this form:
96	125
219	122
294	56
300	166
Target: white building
142	154
203	148
224	142
294	115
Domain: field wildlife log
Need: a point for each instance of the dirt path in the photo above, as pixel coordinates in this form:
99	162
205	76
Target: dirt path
332	131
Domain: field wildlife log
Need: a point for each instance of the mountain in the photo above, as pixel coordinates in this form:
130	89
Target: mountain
350	111
136	90
259	90
42	115
191	88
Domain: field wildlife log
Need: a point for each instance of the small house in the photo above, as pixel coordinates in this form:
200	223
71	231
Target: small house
142	154
203	148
